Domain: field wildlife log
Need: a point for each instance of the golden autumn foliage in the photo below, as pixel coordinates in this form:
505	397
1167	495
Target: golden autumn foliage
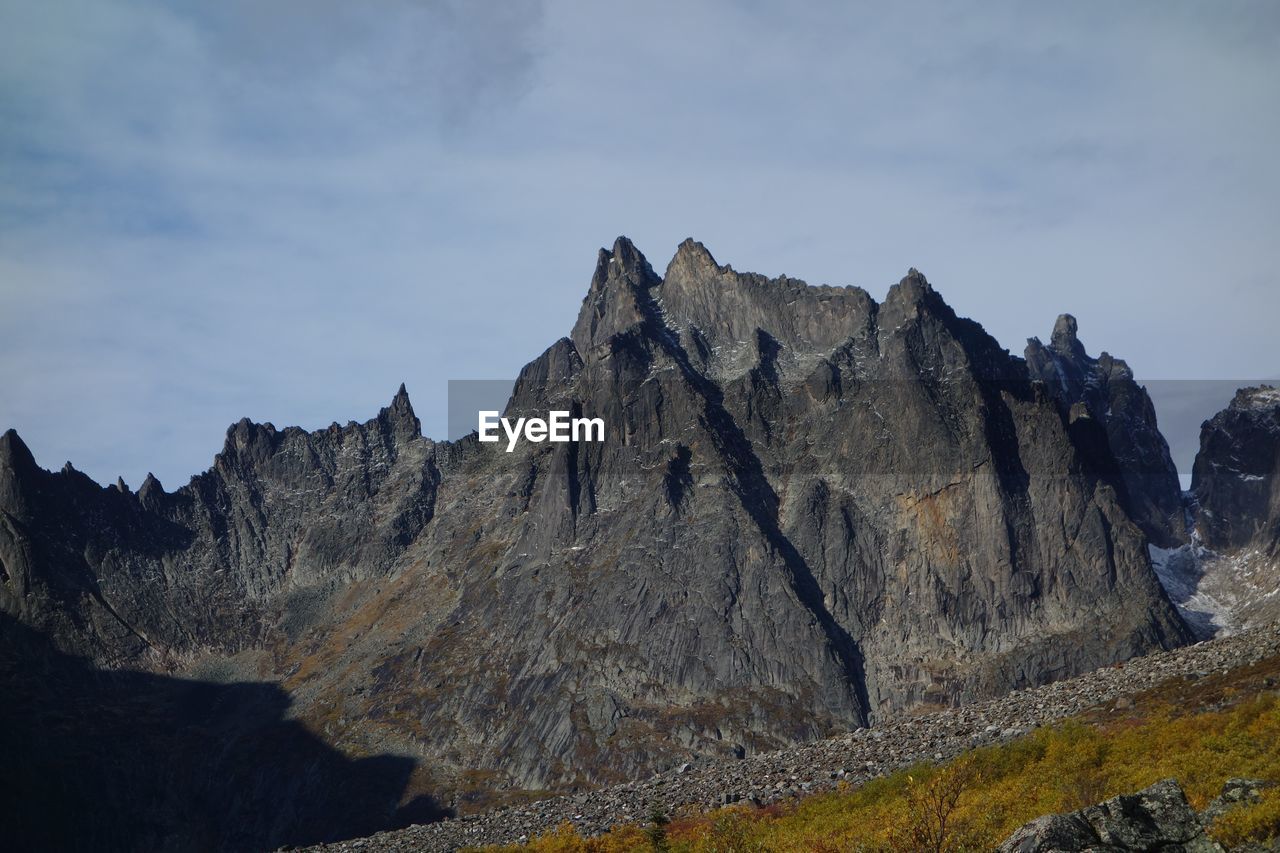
974	802
1260	822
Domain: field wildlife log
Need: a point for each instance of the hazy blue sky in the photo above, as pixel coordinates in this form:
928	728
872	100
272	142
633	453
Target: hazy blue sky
284	209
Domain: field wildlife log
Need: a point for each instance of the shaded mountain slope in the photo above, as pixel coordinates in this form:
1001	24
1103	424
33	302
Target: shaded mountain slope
121	760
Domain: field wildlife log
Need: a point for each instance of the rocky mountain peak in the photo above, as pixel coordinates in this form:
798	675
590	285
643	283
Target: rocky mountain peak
245	438
912	299
692	259
17	466
624	264
911	296
14	453
628	258
150	489
912	289
1065	339
400	416
614	302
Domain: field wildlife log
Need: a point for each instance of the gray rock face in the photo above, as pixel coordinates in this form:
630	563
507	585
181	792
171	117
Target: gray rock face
1236	479
811	510
1115	423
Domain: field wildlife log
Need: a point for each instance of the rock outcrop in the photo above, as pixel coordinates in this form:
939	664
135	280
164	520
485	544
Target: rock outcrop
811	511
1158	818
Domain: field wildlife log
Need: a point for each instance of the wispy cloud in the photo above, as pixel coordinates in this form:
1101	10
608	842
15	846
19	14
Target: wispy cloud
283	210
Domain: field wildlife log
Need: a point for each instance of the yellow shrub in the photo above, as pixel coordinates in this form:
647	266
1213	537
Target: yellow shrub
1257	822
563	840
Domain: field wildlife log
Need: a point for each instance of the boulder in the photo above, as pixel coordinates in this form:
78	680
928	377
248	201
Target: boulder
1158	818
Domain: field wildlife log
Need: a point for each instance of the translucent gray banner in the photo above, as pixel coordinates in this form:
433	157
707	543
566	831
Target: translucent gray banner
1181	405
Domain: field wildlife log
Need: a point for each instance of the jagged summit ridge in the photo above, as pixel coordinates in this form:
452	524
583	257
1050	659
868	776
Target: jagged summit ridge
244	436
711	305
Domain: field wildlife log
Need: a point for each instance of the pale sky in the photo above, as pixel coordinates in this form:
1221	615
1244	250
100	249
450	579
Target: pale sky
283	210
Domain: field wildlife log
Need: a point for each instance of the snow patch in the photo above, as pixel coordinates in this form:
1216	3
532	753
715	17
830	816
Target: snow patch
1181	573
1266	396
1218	594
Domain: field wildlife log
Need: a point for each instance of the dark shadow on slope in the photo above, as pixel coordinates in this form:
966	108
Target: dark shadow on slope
112	760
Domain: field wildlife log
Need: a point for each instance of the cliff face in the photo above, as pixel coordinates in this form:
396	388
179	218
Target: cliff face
811	510
1116	424
1236	479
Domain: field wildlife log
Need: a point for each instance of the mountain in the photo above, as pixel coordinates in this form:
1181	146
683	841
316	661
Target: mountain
811	511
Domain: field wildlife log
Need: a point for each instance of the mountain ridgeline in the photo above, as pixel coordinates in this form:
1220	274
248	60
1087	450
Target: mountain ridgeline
812	511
